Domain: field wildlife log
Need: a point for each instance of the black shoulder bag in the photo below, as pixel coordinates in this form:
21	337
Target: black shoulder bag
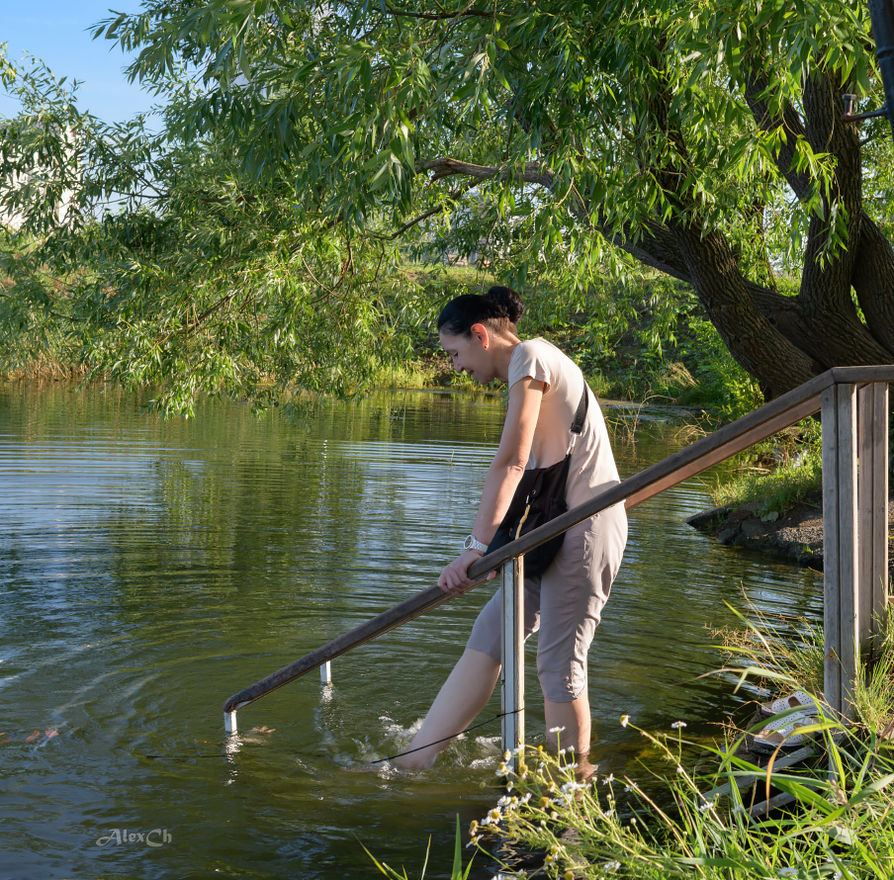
540	497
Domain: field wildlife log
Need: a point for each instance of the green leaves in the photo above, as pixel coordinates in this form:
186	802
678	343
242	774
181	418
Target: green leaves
560	137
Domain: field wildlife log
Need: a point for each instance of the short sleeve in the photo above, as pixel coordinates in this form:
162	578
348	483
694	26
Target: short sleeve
529	359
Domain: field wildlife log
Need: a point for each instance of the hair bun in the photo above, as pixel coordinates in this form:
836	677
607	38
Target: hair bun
506	303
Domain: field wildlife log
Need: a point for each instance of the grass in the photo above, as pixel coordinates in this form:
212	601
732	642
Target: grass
795	471
840	825
45	368
769	654
456	873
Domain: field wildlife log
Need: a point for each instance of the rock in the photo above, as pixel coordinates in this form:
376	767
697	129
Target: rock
707	519
796	535
753	528
745	511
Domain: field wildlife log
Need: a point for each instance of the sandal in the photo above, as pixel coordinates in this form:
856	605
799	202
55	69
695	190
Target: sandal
797	700
780	734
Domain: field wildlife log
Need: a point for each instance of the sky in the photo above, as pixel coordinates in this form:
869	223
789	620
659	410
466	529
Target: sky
56	31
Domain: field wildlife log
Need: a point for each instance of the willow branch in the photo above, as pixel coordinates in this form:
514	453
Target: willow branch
442	16
438	209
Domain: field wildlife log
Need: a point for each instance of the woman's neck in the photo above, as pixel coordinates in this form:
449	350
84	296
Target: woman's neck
504	346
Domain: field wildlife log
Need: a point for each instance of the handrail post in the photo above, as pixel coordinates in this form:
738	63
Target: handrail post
513	673
840	586
872	512
855	531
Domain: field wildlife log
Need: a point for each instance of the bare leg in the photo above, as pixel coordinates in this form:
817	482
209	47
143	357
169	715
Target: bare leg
461	698
575	718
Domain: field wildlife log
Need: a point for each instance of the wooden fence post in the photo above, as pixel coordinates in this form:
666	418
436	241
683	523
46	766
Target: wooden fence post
872	507
839	415
513	674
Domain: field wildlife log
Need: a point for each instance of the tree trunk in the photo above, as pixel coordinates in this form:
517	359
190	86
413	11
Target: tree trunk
751	338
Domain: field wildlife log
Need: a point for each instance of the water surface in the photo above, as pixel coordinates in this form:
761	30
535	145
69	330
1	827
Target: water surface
149	569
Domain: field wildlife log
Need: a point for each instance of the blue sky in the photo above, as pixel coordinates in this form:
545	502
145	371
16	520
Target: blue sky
56	31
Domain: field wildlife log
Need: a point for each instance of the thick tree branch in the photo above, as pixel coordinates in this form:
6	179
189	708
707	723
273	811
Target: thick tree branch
824	301
752	339
537	173
826	278
438	209
872	274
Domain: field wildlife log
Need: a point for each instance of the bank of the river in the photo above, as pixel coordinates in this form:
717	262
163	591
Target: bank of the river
796	534
630	347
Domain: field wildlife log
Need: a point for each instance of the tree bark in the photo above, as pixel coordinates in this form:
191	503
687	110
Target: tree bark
752	340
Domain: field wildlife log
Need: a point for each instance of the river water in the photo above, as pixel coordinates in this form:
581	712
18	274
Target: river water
149	569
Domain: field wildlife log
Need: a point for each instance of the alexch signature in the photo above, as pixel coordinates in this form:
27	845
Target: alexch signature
155	837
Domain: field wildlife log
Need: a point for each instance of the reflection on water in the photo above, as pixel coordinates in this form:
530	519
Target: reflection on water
150	569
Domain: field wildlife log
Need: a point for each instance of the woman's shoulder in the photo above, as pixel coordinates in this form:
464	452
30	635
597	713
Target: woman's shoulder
538	346
540	349
537	358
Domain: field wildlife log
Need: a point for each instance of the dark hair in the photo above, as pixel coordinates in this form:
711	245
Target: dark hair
500	308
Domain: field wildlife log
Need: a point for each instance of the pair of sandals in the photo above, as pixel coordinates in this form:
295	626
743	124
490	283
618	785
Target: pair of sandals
781	733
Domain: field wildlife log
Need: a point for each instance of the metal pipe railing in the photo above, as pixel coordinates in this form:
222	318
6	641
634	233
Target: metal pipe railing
722	444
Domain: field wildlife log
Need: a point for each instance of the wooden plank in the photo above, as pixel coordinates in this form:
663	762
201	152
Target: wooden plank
699	456
831	574
872	510
780	800
747	778
513	672
865	477
847	543
858	375
872	506
879	597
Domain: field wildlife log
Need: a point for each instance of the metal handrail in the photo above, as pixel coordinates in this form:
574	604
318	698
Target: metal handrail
713	449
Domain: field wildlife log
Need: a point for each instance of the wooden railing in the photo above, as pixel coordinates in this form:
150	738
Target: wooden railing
854	406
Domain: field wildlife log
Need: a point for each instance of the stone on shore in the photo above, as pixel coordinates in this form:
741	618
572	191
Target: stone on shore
796	534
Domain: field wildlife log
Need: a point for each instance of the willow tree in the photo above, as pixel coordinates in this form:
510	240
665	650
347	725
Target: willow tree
702	141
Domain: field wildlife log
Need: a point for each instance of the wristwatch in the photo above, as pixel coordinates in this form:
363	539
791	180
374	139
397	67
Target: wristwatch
472	543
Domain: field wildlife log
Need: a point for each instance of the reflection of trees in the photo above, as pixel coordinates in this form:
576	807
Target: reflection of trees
227	504
277	536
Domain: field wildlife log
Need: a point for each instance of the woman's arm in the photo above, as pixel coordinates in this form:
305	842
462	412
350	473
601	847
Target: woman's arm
503	475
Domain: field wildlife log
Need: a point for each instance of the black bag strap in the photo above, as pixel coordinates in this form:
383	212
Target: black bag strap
580	416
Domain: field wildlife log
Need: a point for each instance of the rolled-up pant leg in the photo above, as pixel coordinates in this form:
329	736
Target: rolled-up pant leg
565	604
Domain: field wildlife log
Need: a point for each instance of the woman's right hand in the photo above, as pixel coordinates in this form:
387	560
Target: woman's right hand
454	578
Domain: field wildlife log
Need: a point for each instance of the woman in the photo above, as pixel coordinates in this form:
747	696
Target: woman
565	601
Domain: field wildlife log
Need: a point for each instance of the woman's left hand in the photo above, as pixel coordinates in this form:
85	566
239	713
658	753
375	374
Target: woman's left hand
454	578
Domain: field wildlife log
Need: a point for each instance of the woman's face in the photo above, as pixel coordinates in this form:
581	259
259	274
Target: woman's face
471	355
